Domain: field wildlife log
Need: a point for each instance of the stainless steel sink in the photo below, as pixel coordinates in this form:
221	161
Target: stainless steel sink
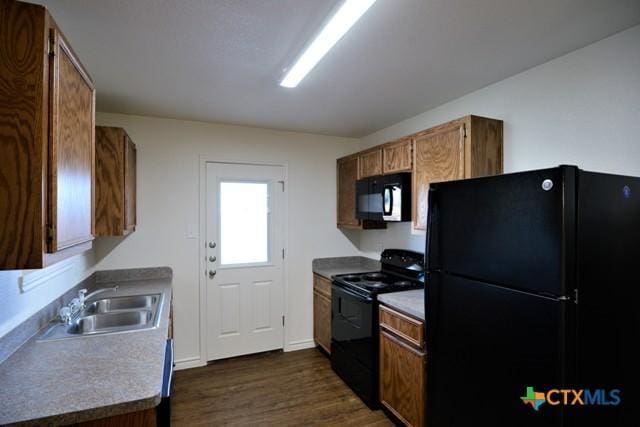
106	305
110	315
110	322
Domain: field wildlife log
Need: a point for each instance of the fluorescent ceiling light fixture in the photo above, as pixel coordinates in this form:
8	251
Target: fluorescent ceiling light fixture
346	16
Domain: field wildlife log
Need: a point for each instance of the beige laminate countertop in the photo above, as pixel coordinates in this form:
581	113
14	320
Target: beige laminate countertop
329	267
408	302
85	378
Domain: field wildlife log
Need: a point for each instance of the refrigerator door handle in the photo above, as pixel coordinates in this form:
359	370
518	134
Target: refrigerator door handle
568	298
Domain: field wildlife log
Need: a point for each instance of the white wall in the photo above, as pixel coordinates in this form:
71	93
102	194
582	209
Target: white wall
582	108
17	305
168	200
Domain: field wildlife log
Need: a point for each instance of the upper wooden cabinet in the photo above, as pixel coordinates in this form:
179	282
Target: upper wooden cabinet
115	182
465	148
348	172
438	156
47	119
347	177
397	156
370	163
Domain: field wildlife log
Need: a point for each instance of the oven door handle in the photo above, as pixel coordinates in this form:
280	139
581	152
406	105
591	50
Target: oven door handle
353	294
167	380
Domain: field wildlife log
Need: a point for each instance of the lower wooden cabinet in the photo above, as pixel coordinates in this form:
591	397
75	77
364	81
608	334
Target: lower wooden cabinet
322	312
402	374
144	418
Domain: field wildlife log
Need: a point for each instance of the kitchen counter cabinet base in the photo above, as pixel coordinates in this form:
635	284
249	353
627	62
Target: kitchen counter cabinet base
402	366
322	312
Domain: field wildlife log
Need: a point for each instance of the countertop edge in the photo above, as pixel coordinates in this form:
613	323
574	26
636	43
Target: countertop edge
402	311
387	300
93	414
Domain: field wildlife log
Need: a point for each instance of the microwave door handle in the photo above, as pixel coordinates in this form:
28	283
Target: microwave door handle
387	190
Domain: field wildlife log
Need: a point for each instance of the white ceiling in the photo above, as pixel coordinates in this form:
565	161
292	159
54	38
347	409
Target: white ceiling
221	61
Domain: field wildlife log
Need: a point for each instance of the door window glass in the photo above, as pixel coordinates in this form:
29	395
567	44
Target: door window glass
244	222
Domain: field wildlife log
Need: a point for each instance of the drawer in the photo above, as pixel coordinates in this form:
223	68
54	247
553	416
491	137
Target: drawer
405	327
322	285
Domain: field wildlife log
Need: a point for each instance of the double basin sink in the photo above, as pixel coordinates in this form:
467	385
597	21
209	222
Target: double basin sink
110	315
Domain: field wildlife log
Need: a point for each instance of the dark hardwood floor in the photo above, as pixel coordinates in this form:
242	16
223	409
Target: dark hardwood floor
269	389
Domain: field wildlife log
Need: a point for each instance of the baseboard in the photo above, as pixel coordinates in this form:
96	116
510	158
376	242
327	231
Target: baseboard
300	345
188	363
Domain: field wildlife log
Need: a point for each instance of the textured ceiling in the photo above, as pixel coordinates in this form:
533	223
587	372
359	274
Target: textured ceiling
220	61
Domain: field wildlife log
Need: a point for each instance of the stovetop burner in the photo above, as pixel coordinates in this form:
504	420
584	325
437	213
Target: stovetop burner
351	277
403	283
401	270
377	282
373	285
375	276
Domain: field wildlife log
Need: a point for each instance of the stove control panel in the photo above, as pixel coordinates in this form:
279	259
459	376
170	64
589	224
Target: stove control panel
402	258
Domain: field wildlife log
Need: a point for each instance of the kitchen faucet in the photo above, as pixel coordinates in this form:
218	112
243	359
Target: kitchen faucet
82	297
77	304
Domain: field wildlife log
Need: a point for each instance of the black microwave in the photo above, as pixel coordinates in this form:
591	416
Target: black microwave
384	198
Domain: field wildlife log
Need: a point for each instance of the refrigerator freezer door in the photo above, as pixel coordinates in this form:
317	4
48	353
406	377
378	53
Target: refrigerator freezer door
486	345
513	230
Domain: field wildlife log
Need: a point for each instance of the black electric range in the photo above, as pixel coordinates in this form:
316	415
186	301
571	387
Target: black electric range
354	317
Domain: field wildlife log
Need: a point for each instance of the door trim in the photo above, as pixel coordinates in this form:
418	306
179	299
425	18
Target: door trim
202	264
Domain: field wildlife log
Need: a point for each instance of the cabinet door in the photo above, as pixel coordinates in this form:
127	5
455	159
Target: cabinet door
130	185
396	157
71	149
347	177
402	380
371	163
109	200
437	156
322	285
322	320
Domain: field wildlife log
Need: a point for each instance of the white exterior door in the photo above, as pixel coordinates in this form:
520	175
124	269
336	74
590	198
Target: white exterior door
244	258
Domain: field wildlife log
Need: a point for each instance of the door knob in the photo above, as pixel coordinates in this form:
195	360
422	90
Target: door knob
212	274
212	245
212	258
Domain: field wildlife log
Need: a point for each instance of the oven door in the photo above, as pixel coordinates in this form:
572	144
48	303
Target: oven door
392	203
354	344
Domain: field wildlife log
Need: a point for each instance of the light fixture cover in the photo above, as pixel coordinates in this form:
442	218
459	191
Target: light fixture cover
345	17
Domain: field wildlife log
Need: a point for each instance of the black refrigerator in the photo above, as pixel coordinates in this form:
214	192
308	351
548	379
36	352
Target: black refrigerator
531	287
